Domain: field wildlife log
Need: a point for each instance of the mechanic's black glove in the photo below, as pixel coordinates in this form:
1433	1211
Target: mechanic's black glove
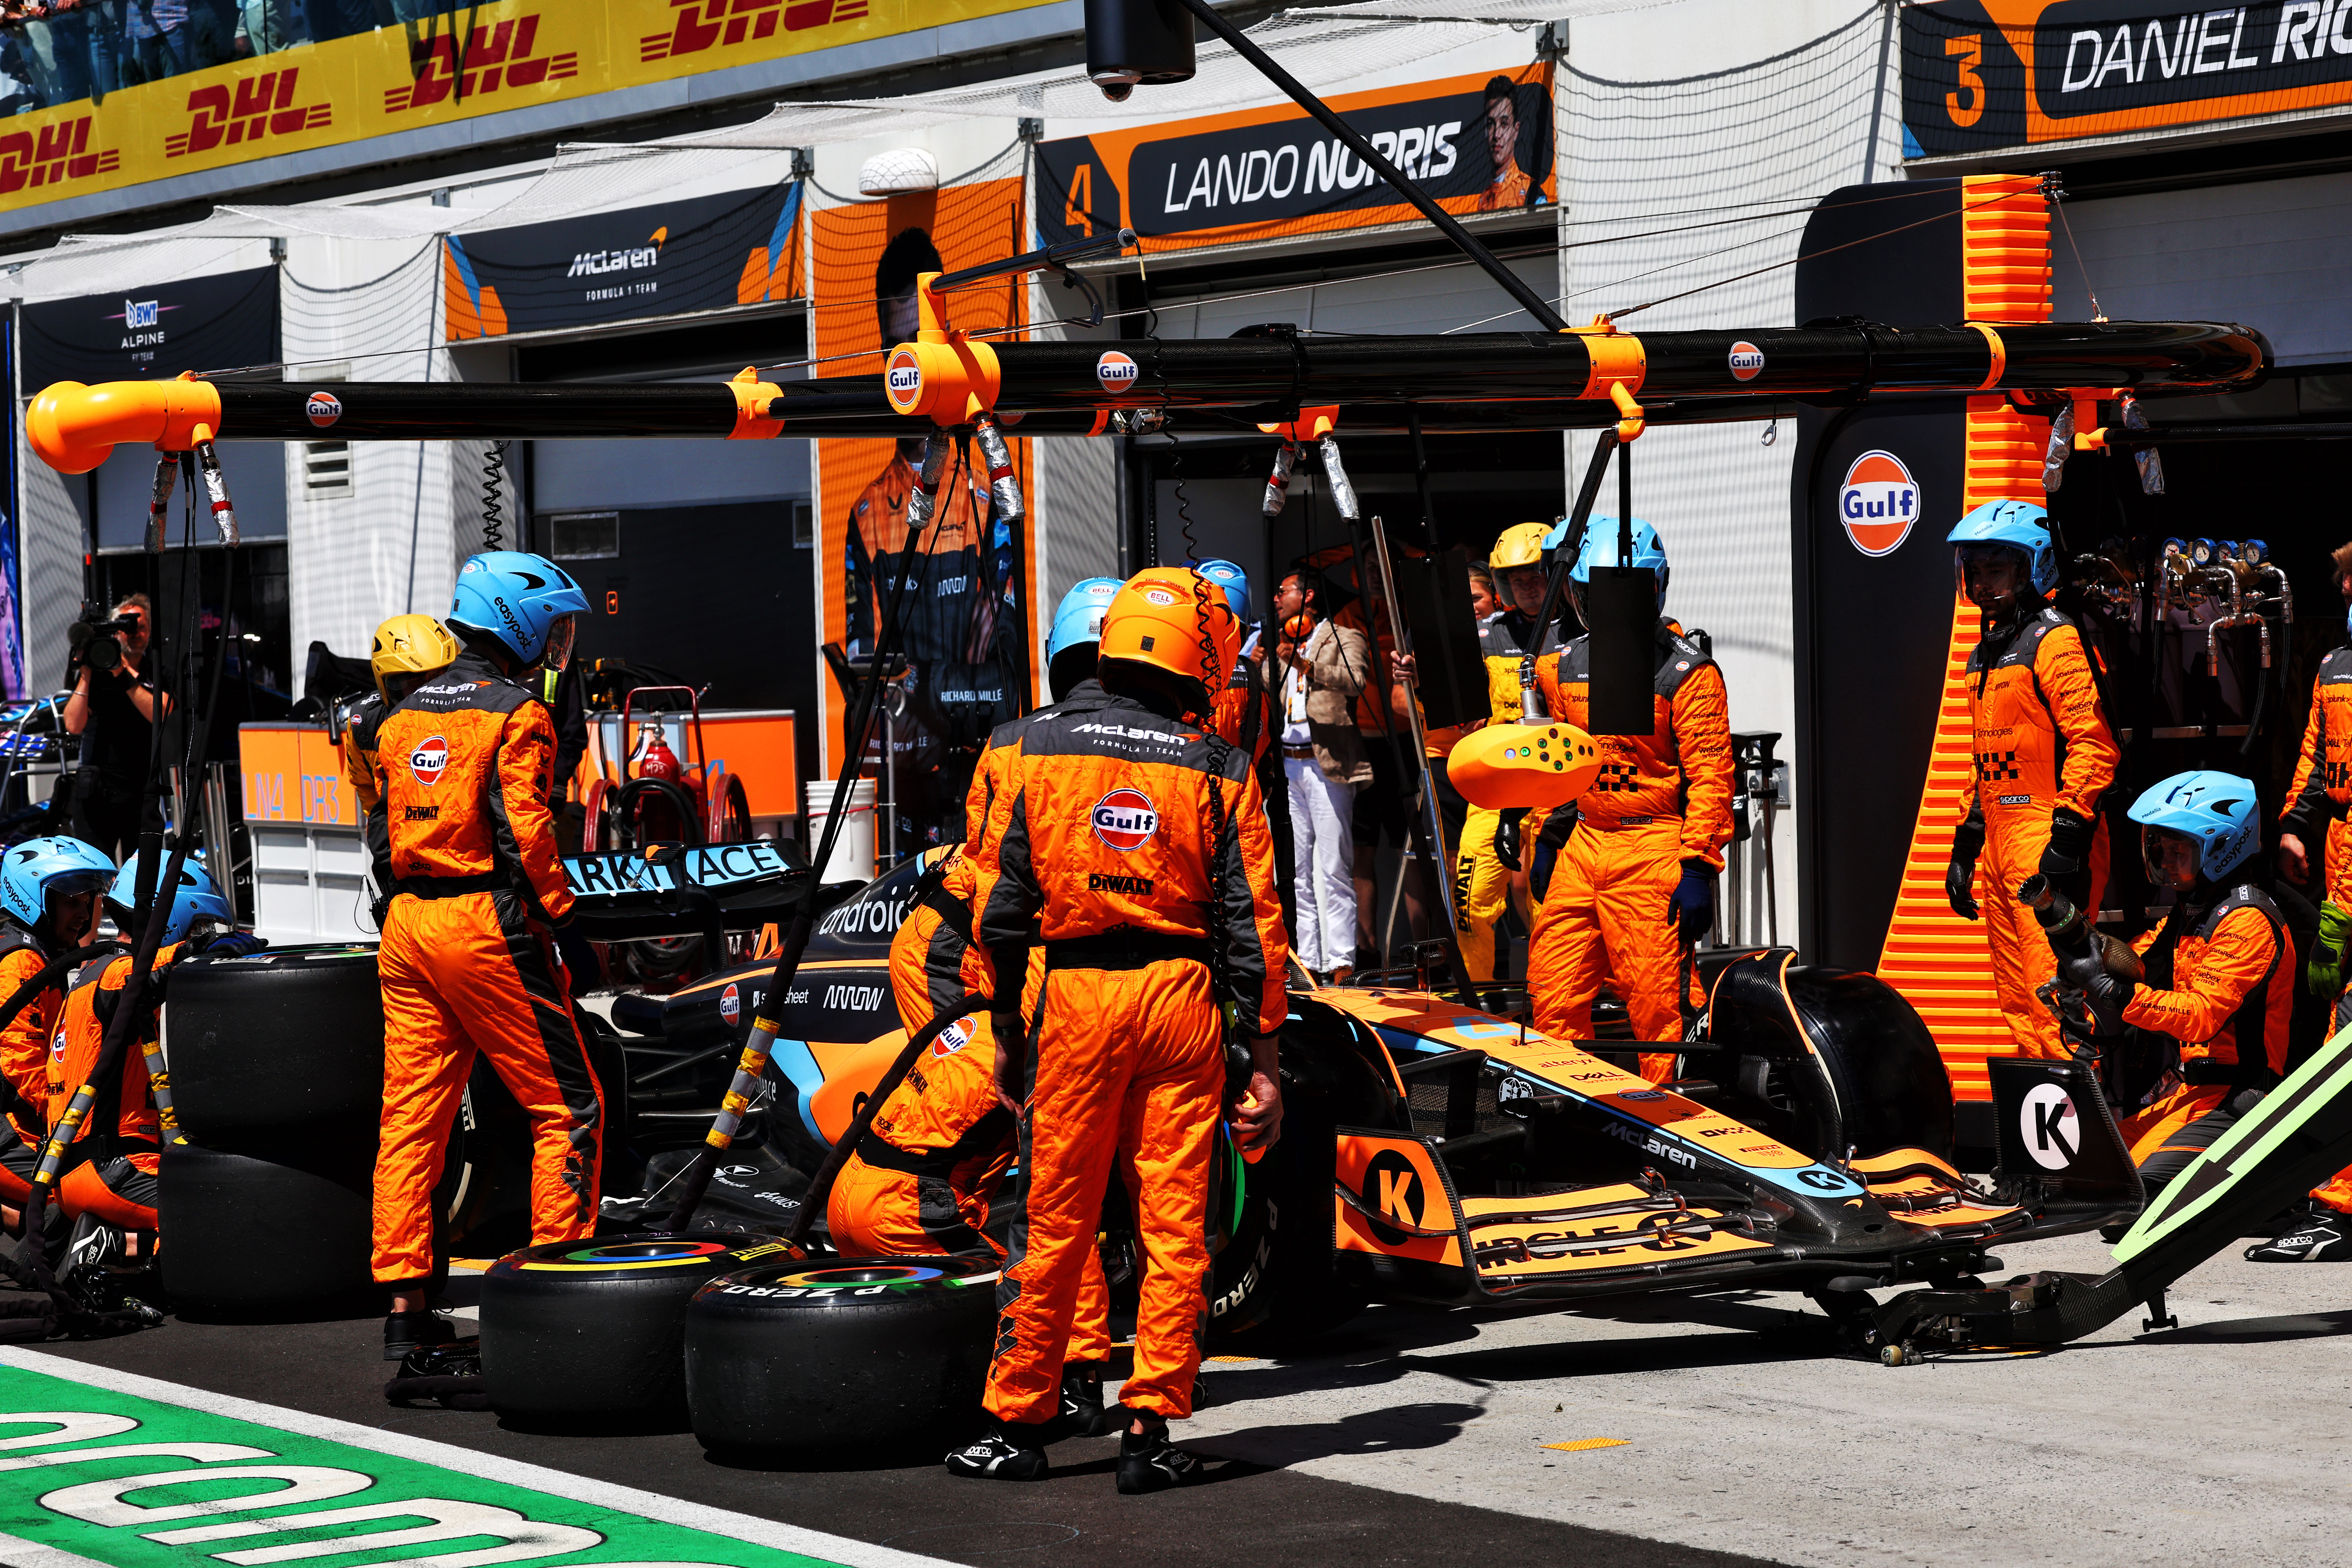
1692	906
1506	839
230	944
2104	995
2070	843
579	956
1959	877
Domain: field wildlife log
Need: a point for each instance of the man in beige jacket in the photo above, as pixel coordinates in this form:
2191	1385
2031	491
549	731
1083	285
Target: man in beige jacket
1318	667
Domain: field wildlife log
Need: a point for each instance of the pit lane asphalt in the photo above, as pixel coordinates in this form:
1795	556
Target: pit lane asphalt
1416	1437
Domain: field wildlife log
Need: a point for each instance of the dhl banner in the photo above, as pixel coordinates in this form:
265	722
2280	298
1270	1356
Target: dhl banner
703	253
969	641
481	59
1978	74
1477	144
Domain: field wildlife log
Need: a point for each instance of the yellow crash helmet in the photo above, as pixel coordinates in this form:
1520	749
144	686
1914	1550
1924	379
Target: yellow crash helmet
1520	545
407	649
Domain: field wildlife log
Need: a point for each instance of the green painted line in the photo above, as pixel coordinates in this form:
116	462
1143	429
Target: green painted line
105	1467
2310	1090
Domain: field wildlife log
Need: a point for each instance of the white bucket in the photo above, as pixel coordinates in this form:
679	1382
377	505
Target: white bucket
852	852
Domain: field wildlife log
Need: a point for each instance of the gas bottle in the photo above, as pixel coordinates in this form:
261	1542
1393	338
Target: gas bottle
654	759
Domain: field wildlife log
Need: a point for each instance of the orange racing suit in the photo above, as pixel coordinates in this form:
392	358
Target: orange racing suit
1106	844
1482	885
111	1166
468	960
2220	980
2317	802
923	1178
1661	799
2041	740
24	1059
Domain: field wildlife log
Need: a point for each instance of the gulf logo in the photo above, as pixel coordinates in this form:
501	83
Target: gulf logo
1747	361
730	1004
1878	503
1125	819
429	760
902	380
952	1038
323	408
1117	372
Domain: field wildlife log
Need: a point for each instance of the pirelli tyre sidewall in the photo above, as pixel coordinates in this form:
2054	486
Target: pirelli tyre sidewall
596	1327
276	1041
838	1353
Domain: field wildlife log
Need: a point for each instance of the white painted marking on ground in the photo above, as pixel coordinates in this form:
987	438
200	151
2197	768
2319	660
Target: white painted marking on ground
578	1488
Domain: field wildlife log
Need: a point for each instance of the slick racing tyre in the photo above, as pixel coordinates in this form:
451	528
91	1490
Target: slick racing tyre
253	1234
596	1327
274	1043
838	1353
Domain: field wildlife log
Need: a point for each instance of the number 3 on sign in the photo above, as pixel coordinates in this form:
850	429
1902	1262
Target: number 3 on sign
1968	49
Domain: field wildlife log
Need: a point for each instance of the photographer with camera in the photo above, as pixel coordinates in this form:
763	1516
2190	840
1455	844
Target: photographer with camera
114	707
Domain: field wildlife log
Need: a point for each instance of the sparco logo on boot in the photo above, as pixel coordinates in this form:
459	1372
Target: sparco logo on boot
1747	361
324	408
902	380
1878	503
2048	1124
1117	372
429	759
1125	819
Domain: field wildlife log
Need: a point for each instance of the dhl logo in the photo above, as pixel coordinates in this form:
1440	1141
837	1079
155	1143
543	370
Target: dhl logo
718	24
259	106
57	153
494	56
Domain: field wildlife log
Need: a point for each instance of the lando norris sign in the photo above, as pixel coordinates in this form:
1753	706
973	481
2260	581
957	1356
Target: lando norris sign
1981	74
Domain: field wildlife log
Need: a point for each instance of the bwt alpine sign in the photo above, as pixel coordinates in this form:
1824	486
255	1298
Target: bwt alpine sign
1477	144
228	319
2001	73
1878	503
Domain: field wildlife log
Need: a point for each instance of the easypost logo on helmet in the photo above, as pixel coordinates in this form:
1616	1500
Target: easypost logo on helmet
323	409
1747	361
429	760
902	379
1124	819
1878	503
1117	372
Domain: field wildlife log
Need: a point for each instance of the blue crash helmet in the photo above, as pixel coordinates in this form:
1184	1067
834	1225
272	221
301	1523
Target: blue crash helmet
2215	810
197	897
2017	524
31	871
1600	549
519	599
1079	618
1234	582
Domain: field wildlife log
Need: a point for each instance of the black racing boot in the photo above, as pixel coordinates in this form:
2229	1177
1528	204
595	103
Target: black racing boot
1083	1413
2325	1237
1151	1463
1007	1451
405	1333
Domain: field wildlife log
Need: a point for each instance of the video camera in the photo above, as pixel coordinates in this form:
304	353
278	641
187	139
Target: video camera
96	638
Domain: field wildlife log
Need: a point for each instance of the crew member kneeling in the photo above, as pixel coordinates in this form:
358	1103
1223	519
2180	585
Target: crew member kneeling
110	1173
924	1179
2220	971
49	890
1111	842
469	958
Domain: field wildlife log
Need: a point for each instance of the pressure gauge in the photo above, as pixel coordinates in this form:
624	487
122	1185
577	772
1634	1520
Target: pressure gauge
2200	550
2175	547
2254	551
2227	549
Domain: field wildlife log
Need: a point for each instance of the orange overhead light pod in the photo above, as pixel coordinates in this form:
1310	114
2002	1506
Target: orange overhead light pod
1534	765
75	427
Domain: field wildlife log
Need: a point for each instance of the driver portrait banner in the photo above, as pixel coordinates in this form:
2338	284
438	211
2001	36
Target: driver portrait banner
969	637
1477	144
1981	74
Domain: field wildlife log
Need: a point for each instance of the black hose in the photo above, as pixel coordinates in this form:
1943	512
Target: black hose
821	1186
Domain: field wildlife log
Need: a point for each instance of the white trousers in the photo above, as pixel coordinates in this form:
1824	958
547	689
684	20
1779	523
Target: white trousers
1325	863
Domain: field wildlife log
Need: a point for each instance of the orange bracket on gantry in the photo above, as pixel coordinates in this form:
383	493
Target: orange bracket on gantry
943	376
74	429
1618	365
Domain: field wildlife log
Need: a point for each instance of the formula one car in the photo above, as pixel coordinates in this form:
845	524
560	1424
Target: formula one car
1435	1151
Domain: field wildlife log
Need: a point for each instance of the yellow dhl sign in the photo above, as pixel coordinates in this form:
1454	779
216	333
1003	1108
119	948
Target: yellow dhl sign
483	59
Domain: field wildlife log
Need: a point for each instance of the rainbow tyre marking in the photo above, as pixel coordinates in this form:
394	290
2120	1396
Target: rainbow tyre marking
637	1255
858	1277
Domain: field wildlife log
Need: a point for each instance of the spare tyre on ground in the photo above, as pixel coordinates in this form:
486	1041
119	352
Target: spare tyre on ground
849	1353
